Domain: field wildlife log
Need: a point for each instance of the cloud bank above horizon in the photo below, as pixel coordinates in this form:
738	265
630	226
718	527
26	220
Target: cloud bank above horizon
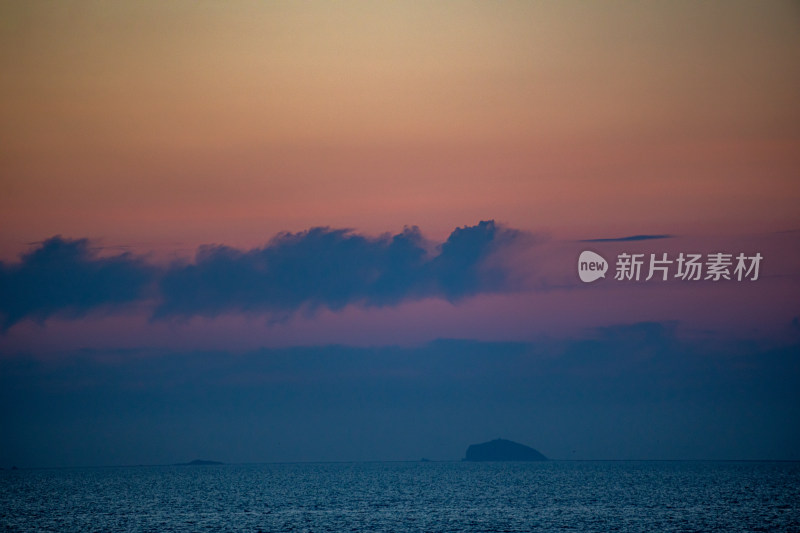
635	391
320	267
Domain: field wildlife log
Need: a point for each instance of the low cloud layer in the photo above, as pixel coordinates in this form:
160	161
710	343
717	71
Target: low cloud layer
630	391
321	267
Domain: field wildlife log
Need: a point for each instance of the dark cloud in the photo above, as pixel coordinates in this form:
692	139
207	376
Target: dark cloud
319	267
630	238
66	276
461	268
333	268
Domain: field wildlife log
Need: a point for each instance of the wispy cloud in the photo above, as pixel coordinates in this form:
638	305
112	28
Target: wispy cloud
629	238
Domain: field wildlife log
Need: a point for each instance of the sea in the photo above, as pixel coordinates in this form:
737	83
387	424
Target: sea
561	496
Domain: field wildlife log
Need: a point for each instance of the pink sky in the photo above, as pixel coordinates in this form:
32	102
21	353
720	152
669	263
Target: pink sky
164	128
158	129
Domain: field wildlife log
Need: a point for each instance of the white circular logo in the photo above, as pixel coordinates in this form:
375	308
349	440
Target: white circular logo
591	266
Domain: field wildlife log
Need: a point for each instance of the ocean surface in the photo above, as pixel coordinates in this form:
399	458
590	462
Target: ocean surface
603	496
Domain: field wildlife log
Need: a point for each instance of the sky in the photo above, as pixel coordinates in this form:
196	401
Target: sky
307	231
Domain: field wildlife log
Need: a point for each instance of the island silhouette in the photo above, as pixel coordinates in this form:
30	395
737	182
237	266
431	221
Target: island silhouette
199	462
502	450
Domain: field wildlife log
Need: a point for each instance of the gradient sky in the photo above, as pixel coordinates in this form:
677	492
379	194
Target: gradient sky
184	152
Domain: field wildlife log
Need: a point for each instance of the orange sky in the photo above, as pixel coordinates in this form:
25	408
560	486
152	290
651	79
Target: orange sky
163	126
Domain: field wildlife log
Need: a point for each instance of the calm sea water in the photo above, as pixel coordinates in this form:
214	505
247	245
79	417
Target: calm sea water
552	496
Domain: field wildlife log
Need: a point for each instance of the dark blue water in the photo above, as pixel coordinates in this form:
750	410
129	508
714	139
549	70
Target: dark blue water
552	496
